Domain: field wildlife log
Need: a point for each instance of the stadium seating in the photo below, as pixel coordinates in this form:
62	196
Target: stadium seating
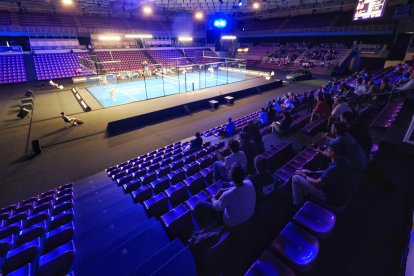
168	58
59	65
12	68
28	232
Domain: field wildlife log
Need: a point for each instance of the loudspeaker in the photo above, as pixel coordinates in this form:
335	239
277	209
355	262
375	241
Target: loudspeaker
28	93
23	113
36	146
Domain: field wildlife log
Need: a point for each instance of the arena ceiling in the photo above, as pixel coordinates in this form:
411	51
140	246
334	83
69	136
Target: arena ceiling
117	7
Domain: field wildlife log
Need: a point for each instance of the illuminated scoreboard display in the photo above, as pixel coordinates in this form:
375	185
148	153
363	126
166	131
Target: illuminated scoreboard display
367	9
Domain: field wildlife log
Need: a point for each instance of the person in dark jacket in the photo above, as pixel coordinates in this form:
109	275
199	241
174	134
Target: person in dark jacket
357	131
262	180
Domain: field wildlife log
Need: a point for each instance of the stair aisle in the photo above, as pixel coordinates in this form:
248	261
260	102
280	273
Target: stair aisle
30	67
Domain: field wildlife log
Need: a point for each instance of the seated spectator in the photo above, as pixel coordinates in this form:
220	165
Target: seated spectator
230	129
73	120
231	206
409	85
254	134
373	89
321	108
223	165
282	126
271	113
55	85
263	117
384	85
249	150
277	106
354	153
334	185
196	143
357	131
339	107
263	181
360	88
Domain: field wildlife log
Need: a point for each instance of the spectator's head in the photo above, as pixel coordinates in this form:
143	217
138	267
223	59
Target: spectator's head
229	120
339	100
263	109
237	174
347	117
260	163
197	134
234	146
338	128
62	113
336	151
320	97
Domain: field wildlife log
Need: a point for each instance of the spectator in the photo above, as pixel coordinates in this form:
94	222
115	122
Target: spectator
358	132
222	167
277	106
196	143
263	181
321	108
409	85
271	113
361	88
231	206
263	116
282	126
354	153
249	150
340	106
229	129
254	134
334	185
73	120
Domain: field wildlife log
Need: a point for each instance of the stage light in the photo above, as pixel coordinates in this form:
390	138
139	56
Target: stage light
256	5
185	38
199	15
228	37
109	38
67	2
147	10
220	23
240	3
138	36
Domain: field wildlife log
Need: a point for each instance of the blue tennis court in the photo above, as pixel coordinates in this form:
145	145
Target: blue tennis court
140	90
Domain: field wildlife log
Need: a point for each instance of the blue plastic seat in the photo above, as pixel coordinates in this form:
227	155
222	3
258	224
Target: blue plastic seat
191	169
157	205
21	256
195	183
123	180
207	173
178	221
58	261
160	184
176	176
297	247
148	178
142	193
269	264
316	219
64	206
60	219
31	233
27	270
132	185
37	218
58	237
213	189
192	201
177	193
10	229
6	244
61	199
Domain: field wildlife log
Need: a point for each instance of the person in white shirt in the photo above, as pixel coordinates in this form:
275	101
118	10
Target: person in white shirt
360	88
408	85
339	107
222	167
231	206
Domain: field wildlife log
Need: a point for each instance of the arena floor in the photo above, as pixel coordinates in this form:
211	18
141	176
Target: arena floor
140	90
